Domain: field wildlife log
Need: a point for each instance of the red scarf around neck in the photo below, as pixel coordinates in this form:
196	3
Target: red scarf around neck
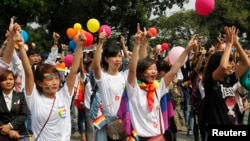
150	88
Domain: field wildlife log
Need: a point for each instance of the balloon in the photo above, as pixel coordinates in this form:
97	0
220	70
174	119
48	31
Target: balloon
72	44
68	59
158	47
89	37
24	35
93	25
175	53
164	46
204	7
77	26
105	28
153	31
71	32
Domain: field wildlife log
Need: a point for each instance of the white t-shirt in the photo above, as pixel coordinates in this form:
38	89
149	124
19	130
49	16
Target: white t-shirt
87	94
58	128
87	91
111	88
3	66
145	123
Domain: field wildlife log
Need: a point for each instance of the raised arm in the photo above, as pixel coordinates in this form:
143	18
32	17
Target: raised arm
98	56
180	61
135	57
7	54
200	60
29	77
54	50
70	80
245	62
224	62
124	47
143	52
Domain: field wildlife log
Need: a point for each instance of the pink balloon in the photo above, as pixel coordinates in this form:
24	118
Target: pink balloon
204	7
175	53
158	46
68	59
105	28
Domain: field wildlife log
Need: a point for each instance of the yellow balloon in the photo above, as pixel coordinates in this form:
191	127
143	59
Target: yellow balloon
93	25
77	26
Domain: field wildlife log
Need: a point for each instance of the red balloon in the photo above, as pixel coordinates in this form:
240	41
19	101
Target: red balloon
153	31
164	46
89	37
204	7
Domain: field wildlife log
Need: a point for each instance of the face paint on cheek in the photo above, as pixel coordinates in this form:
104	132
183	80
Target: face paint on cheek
47	88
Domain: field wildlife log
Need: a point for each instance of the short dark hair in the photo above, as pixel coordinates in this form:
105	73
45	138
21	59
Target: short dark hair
31	52
41	70
142	66
163	65
4	76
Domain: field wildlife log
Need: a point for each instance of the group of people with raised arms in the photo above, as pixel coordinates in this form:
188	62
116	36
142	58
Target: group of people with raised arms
147	82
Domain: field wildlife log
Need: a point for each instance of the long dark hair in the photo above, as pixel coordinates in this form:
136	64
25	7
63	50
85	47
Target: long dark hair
109	50
212	64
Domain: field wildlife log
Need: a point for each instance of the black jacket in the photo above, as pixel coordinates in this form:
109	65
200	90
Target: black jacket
18	113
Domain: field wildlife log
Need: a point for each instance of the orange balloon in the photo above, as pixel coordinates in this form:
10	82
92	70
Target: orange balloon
153	31
71	32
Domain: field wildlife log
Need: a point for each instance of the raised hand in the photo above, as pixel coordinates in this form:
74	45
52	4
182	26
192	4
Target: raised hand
229	35
192	44
102	37
81	39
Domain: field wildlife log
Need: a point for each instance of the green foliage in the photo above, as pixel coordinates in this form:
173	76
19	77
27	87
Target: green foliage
178	28
122	16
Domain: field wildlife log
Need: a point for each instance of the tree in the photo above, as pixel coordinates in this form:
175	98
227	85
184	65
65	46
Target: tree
58	15
181	25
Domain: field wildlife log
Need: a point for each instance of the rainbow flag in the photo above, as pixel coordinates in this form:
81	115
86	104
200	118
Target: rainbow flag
26	138
61	68
99	122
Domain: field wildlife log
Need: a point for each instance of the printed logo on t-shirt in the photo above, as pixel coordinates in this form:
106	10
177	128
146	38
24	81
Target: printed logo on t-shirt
117	97
227	91
155	124
229	96
230	102
62	112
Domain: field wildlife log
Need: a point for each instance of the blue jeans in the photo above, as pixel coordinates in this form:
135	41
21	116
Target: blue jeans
81	121
185	104
28	122
101	135
89	126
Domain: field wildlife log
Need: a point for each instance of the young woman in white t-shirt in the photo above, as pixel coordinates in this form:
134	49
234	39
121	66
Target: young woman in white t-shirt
110	81
144	96
49	104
